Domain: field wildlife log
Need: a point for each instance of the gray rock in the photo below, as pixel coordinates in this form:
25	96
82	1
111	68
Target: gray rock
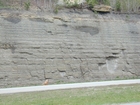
70	48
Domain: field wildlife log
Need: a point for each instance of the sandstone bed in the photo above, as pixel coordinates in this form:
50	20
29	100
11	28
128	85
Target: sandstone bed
71	46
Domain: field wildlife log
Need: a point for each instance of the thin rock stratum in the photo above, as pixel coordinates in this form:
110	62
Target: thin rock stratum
68	47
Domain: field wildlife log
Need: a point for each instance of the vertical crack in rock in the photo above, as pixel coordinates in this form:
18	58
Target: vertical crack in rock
126	63
82	73
44	73
82	69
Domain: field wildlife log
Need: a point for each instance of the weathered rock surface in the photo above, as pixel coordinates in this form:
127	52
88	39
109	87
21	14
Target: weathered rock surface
67	47
102	8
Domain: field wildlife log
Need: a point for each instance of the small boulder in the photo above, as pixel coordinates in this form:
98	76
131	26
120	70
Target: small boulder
46	82
102	8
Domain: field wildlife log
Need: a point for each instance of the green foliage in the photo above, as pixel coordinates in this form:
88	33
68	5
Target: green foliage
57	8
127	16
96	2
118	5
92	2
72	4
106	2
1	4
117	77
27	5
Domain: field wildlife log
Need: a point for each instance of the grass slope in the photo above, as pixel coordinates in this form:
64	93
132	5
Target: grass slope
84	96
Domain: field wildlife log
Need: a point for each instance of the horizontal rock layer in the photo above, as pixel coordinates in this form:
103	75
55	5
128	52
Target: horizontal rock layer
68	48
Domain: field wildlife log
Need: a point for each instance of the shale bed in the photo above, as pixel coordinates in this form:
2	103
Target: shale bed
72	46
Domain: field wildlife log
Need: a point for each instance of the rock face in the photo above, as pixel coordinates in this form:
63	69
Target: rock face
102	8
68	48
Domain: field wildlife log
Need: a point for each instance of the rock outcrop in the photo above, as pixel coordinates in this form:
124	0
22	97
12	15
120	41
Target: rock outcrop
68	47
102	8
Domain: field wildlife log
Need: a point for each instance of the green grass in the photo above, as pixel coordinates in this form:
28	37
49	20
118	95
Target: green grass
127	5
4	6
86	96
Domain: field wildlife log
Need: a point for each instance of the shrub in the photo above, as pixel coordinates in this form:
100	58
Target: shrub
96	2
57	8
92	2
27	5
1	3
70	4
106	2
118	5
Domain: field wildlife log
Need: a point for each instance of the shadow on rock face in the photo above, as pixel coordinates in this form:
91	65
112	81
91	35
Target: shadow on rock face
88	29
13	19
37	19
43	20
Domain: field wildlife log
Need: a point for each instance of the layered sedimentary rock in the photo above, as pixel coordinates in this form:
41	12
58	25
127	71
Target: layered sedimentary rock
68	47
